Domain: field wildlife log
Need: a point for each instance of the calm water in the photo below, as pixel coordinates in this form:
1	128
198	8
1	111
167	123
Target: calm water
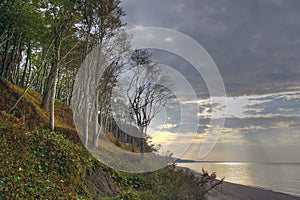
283	177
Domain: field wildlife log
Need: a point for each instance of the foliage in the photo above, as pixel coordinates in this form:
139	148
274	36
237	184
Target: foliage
41	165
166	183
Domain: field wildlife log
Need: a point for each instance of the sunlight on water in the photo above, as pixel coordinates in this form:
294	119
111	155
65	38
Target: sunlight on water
232	163
282	177
232	171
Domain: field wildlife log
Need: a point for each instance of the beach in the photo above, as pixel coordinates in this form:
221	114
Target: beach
232	191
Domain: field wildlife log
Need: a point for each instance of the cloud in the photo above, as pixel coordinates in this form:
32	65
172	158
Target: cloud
256	46
255	43
284	104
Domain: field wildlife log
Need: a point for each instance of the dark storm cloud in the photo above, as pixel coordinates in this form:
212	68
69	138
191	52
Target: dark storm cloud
183	67
255	43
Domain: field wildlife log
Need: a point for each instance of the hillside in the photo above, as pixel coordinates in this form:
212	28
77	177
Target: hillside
38	164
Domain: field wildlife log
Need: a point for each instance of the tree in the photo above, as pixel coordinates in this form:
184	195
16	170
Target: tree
115	51
21	28
61	16
147	92
94	82
43	43
102	27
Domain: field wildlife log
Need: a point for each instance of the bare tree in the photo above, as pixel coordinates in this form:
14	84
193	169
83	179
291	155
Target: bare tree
147	92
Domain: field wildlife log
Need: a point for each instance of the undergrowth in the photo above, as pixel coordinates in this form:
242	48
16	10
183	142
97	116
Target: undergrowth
41	165
38	164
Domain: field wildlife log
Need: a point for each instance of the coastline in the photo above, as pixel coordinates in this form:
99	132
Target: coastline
233	191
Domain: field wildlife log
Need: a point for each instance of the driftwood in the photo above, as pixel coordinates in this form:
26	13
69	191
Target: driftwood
206	181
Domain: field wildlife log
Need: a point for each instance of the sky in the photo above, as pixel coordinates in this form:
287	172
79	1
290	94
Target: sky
256	47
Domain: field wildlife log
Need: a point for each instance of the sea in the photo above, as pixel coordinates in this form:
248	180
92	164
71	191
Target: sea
281	177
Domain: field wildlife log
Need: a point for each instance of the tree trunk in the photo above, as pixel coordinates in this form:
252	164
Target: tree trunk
16	62
142	140
86	108
54	69
95	122
18	66
125	137
41	78
8	64
86	122
50	82
71	92
28	54
52	104
58	84
4	58
51	86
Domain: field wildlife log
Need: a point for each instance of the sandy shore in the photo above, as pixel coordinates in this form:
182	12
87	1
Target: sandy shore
231	191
